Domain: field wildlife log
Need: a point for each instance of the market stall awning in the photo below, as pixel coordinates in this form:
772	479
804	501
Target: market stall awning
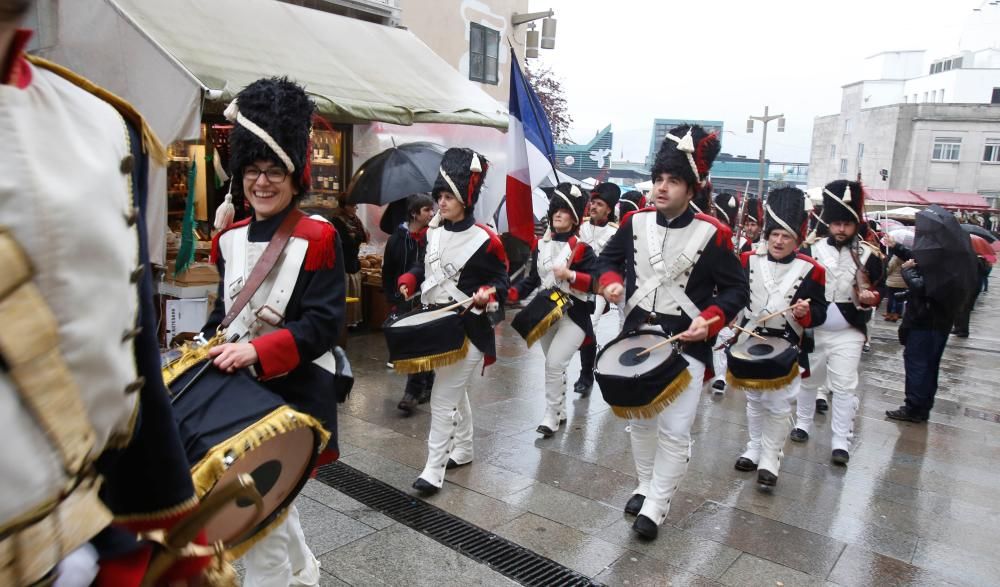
356	71
880	197
954	200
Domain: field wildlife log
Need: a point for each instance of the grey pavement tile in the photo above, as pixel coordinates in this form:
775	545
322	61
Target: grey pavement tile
751	571
326	529
489	479
787	545
957	563
328	580
852	529
384	469
565	507
351	508
674	546
481	510
858	566
636	570
401	556
567	546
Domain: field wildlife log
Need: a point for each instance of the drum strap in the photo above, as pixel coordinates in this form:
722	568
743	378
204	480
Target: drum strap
667	277
446	275
263	266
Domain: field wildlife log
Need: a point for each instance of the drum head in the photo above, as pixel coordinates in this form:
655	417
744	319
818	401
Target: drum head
279	467
421	317
754	349
623	357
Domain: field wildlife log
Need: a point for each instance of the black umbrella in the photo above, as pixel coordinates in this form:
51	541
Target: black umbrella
396	173
944	255
979	231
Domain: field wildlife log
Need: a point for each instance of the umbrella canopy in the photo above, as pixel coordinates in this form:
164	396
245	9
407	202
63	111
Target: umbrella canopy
888	224
903	236
979	231
944	254
396	173
982	248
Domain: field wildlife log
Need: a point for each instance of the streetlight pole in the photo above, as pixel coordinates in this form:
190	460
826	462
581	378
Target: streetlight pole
763	144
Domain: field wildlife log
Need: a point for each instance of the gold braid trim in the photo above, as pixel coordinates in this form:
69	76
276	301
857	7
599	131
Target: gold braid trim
191	355
542	327
659	403
151	144
167	513
431	362
763	384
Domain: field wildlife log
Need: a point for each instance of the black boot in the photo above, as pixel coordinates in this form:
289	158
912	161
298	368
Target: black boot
904	415
766	478
426	384
407	404
821	405
799	435
840	457
634	504
645	528
424	488
745	464
588	355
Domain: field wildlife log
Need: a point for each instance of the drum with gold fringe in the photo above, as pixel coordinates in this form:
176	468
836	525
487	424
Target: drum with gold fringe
762	365
544	310
639	384
425	339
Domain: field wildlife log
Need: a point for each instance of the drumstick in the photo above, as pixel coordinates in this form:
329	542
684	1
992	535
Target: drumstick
491	290
671	339
780	312
750	332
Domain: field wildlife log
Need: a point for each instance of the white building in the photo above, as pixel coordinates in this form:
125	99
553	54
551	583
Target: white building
931	120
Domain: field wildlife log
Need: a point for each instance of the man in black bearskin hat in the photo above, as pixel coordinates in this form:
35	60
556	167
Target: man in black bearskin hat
463	261
749	230
726	208
780	278
674	270
561	263
286	339
596	232
631	201
852	271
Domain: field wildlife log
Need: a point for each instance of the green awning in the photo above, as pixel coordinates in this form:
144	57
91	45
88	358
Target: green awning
356	71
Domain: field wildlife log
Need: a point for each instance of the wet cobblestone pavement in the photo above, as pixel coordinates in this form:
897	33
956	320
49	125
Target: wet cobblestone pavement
918	504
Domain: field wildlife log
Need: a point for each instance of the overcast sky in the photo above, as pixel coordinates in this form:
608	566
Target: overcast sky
626	62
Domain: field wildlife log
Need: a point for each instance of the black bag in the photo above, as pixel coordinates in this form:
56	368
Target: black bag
344	377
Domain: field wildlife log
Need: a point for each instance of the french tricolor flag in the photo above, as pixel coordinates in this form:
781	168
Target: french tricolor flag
530	153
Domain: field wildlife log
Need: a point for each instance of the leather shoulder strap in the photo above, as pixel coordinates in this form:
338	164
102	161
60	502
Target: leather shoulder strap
264	266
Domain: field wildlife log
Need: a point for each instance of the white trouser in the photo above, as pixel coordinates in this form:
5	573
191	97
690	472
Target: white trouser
451	417
661	446
834	363
719	355
559	343
769	419
282	558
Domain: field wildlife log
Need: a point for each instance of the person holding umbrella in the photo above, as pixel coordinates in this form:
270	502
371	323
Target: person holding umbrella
939	269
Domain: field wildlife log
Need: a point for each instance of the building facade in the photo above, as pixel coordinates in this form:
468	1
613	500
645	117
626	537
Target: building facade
662	125
932	122
591	159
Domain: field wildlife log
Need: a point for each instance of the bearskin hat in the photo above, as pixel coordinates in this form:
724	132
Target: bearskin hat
727	206
843	201
283	112
702	200
688	152
567	196
630	202
754	209
608	193
786	208
463	170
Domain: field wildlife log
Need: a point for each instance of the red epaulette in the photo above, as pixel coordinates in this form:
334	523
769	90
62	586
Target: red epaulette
818	273
628	215
745	258
321	235
495	246
578	252
18	73
214	255
723	234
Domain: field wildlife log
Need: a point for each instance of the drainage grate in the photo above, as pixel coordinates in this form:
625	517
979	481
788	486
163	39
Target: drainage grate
503	556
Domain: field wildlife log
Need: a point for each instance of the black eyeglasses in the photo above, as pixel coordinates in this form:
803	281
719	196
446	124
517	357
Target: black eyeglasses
273	174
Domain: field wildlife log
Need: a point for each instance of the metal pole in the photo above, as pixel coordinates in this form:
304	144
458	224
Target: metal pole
763	149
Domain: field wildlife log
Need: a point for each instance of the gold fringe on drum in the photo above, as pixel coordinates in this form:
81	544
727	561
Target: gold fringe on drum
190	356
763	384
540	329
207	472
431	362
659	403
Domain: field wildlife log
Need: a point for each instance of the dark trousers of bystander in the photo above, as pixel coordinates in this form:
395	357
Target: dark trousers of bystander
922	361
964	313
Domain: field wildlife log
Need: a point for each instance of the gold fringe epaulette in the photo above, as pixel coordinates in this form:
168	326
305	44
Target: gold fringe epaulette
191	355
540	329
660	403
431	362
151	144
763	384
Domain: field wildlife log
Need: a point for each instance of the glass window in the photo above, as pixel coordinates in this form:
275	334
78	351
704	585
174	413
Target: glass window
861	151
833	151
843	165
484	50
946	149
991	153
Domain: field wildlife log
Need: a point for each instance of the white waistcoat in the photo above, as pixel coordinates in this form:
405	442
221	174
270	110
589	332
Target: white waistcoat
446	255
551	254
597	236
841	271
68	203
772	287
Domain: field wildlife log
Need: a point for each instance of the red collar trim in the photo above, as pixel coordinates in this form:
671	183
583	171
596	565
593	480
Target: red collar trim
17	71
